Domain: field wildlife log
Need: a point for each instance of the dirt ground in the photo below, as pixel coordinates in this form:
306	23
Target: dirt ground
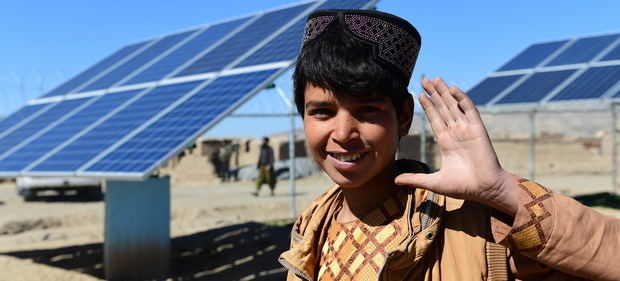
220	231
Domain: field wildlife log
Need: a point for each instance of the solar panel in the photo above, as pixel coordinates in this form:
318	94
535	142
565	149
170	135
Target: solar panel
111	130
183	54
33	126
536	87
125	115
560	70
533	56
177	127
286	45
20	115
489	88
592	84
613	54
34	149
134	63
243	41
96	69
584	50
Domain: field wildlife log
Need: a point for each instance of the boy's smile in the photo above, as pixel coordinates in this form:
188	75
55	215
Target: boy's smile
352	139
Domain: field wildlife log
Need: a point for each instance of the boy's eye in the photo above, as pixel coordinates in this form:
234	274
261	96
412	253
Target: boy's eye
368	109
320	112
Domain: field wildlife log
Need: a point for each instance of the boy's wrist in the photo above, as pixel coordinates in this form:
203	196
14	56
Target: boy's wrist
504	197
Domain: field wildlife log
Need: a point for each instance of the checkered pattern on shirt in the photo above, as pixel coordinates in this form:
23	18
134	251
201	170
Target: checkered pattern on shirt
358	249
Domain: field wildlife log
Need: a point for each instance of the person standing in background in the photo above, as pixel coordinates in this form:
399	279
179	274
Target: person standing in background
225	153
214	158
265	168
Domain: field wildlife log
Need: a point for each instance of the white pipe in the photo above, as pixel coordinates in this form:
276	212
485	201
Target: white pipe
291	151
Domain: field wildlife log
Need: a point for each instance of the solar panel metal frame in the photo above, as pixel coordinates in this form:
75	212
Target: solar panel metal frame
212	76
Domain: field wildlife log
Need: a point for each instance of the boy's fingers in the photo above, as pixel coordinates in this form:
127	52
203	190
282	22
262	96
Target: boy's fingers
441	106
465	102
424	181
437	123
449	100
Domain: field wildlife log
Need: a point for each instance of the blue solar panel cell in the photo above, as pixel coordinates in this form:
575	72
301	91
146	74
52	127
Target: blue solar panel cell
184	53
613	54
243	41
591	84
584	50
283	48
38	123
286	45
179	125
113	129
32	151
535	88
532	56
18	116
344	4
489	88
136	62
94	70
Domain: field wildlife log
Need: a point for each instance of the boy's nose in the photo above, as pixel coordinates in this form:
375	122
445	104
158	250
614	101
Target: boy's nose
345	129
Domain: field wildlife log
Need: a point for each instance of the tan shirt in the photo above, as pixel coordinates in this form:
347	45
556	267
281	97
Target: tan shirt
552	237
357	250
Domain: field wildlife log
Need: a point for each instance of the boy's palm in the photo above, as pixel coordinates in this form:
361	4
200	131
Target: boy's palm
470	169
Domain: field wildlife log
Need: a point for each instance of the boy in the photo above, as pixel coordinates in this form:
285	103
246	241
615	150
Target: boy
396	220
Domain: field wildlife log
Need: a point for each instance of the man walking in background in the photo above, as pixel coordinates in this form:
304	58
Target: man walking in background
265	168
225	152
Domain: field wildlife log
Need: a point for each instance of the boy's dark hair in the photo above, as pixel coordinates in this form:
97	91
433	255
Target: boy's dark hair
339	61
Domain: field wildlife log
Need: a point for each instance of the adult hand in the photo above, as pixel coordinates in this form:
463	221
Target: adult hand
469	166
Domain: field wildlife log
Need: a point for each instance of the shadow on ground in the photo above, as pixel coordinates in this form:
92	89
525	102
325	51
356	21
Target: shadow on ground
67	198
603	199
247	251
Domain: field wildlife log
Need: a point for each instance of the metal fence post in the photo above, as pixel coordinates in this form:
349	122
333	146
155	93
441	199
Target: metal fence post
533	144
423	139
614	163
291	152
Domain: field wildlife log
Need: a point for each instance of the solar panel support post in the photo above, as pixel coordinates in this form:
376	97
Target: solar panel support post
533	144
614	160
423	121
291	151
423	138
137	229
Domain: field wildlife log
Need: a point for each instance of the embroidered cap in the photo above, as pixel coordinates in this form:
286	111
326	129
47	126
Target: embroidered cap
393	39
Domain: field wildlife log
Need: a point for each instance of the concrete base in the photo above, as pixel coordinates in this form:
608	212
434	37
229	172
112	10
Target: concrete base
137	229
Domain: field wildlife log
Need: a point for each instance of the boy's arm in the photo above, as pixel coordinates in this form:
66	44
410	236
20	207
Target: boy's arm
542	225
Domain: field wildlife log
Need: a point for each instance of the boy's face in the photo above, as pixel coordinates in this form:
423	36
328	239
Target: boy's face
352	140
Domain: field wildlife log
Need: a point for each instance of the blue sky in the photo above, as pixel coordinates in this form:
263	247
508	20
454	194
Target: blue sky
46	42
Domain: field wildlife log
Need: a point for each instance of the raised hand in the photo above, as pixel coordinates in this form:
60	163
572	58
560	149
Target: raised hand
469	166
